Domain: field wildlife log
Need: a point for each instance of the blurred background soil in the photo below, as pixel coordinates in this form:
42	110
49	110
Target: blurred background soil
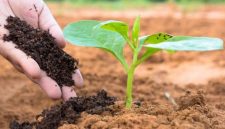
163	73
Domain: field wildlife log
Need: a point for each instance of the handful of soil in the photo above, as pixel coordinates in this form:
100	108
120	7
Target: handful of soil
68	112
41	46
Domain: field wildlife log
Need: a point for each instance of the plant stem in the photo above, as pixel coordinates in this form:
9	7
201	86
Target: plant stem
130	73
130	78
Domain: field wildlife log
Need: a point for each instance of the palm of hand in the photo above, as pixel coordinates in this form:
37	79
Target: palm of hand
37	14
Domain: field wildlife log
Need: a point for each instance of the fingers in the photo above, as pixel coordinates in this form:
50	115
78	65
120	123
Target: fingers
53	90
68	92
78	79
20	60
28	66
3	31
50	87
48	22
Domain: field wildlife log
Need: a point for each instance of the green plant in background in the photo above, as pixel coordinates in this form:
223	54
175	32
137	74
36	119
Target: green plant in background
112	36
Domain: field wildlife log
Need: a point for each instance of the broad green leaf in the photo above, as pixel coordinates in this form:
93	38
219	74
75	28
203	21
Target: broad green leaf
188	43
83	33
136	30
116	26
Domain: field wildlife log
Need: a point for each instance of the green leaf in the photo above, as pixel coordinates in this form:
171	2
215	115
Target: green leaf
116	26
81	33
136	30
154	39
188	43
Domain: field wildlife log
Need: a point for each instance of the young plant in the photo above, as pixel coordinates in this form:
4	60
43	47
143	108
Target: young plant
113	35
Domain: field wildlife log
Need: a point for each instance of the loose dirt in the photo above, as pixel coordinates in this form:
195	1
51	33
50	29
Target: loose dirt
41	46
195	80
68	112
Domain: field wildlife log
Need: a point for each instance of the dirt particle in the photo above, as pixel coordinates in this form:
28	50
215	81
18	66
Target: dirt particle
35	8
138	103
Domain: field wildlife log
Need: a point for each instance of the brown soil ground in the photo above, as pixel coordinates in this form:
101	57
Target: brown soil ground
196	80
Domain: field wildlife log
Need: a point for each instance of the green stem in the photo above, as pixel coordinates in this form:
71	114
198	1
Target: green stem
130	78
131	70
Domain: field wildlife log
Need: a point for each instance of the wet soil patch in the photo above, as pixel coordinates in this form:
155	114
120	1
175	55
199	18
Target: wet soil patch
41	46
68	112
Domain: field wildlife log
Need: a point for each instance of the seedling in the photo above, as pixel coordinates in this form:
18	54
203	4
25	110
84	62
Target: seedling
112	36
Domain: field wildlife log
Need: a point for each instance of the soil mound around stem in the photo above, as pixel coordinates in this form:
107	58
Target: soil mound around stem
41	46
194	114
68	112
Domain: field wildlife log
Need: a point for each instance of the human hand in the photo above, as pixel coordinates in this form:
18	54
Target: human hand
37	14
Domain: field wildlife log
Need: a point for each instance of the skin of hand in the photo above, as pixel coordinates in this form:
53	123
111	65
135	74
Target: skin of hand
37	14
